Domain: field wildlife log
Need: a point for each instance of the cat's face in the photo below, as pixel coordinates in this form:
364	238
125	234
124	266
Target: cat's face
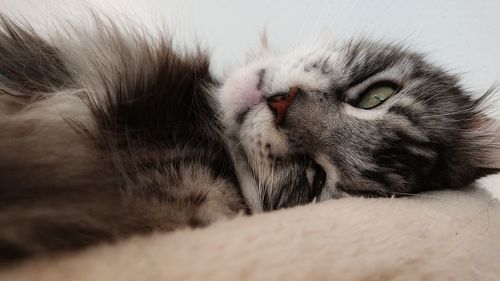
357	119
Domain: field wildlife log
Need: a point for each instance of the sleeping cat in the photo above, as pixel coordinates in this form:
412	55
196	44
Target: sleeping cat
360	118
108	132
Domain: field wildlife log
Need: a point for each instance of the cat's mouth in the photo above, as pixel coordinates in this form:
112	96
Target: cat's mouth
303	181
316	180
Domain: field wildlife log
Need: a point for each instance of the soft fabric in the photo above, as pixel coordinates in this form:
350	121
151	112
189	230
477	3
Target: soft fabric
452	235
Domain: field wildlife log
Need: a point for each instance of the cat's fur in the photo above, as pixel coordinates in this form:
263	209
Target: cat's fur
108	132
430	135
104	135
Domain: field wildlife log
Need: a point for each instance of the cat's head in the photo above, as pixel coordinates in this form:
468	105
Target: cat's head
361	118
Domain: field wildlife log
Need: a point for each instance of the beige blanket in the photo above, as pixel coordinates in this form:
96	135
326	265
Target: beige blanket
436	236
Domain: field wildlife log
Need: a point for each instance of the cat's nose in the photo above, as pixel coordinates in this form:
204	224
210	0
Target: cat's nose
279	104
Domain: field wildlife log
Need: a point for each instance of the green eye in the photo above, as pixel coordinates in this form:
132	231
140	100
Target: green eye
376	96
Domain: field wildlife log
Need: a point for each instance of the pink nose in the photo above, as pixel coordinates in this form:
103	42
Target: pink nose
279	104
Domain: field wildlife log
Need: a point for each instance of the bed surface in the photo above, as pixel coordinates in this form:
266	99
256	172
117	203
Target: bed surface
448	235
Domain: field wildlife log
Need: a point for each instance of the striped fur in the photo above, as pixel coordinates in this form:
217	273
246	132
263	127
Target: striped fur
430	135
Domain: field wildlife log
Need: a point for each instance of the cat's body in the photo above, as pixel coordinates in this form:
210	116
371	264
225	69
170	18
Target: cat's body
117	138
111	133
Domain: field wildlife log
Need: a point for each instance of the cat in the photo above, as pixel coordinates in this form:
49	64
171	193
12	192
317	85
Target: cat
356	119
108	132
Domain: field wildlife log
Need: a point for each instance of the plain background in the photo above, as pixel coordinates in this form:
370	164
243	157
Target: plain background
461	35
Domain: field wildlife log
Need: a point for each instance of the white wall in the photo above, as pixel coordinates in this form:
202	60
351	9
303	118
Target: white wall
462	35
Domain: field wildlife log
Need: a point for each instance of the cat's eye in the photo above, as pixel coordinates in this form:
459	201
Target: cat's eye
376	95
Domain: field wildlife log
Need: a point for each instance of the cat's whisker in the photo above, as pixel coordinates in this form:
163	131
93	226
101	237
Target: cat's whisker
302	27
321	21
273	180
261	185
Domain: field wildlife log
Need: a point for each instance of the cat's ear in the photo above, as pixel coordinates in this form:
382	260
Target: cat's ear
262	50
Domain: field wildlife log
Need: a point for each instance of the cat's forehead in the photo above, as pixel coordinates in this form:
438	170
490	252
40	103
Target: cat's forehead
317	67
309	67
306	57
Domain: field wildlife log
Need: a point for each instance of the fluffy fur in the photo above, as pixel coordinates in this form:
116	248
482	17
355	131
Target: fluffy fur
105	135
431	134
